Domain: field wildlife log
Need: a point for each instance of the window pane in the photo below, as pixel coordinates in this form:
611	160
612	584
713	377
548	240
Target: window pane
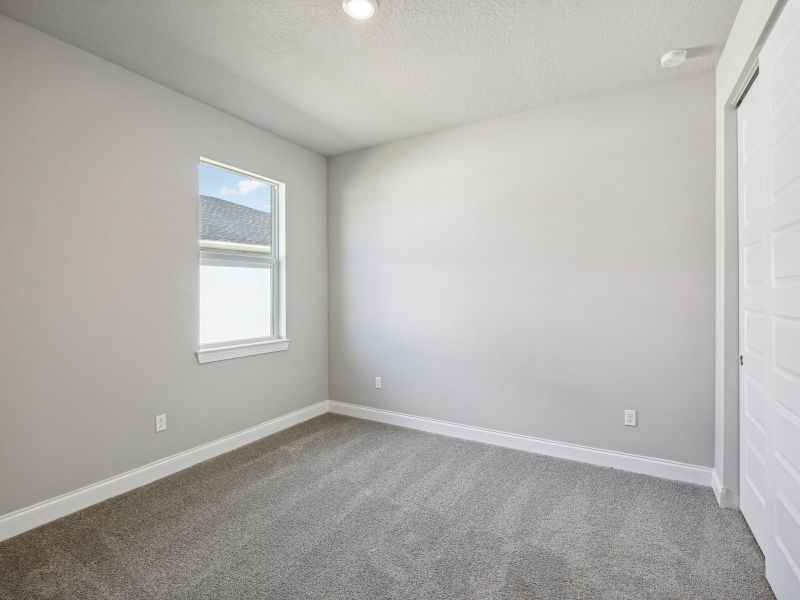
235	302
235	207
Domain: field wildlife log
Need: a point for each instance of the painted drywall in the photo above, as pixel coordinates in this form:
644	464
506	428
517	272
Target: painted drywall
736	65
536	274
98	254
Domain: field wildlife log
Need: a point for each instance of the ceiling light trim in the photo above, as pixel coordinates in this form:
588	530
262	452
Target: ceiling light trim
673	58
360	10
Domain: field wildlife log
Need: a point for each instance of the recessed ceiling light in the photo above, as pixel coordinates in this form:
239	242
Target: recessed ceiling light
673	58
360	9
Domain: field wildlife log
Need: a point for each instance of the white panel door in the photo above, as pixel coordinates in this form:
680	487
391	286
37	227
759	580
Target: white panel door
779	65
753	321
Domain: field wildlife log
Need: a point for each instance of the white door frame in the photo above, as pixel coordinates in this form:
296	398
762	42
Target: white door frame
733	77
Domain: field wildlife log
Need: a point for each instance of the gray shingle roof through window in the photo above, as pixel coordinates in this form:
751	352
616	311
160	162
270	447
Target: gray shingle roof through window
221	220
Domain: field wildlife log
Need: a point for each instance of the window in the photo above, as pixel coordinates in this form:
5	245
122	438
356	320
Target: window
240	283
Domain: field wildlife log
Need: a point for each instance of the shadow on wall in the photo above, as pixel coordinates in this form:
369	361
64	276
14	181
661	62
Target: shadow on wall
701	51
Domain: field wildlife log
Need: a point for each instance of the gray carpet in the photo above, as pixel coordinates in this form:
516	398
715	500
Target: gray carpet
343	508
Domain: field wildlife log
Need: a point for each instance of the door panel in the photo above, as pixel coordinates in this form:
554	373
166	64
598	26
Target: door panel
779	65
753	317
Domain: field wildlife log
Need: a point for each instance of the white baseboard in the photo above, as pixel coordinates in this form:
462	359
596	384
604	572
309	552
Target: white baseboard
645	465
16	522
716	485
725	497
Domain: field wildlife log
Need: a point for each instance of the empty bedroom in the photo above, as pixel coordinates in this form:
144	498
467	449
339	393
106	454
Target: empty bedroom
400	299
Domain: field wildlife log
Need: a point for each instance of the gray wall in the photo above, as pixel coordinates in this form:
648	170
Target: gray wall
98	255
536	274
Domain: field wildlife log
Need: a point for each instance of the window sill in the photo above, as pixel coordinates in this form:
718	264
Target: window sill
238	350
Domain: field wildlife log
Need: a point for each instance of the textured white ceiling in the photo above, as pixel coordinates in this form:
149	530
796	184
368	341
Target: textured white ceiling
304	70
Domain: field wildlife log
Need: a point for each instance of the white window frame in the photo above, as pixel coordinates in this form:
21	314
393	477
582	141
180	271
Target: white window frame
219	253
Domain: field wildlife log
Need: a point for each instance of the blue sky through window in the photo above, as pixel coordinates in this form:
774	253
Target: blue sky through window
233	187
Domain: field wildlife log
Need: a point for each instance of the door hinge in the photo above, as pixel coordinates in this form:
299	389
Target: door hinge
741	360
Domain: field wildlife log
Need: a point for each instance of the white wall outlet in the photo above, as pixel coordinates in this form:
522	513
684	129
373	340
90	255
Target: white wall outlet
630	418
161	422
378	383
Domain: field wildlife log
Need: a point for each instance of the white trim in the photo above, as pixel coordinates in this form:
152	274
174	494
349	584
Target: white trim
735	68
645	465
725	497
235	246
205	355
22	520
279	268
276	258
237	170
16	522
716	485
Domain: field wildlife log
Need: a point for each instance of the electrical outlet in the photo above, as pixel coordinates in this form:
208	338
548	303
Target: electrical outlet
378	383
161	422
630	418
